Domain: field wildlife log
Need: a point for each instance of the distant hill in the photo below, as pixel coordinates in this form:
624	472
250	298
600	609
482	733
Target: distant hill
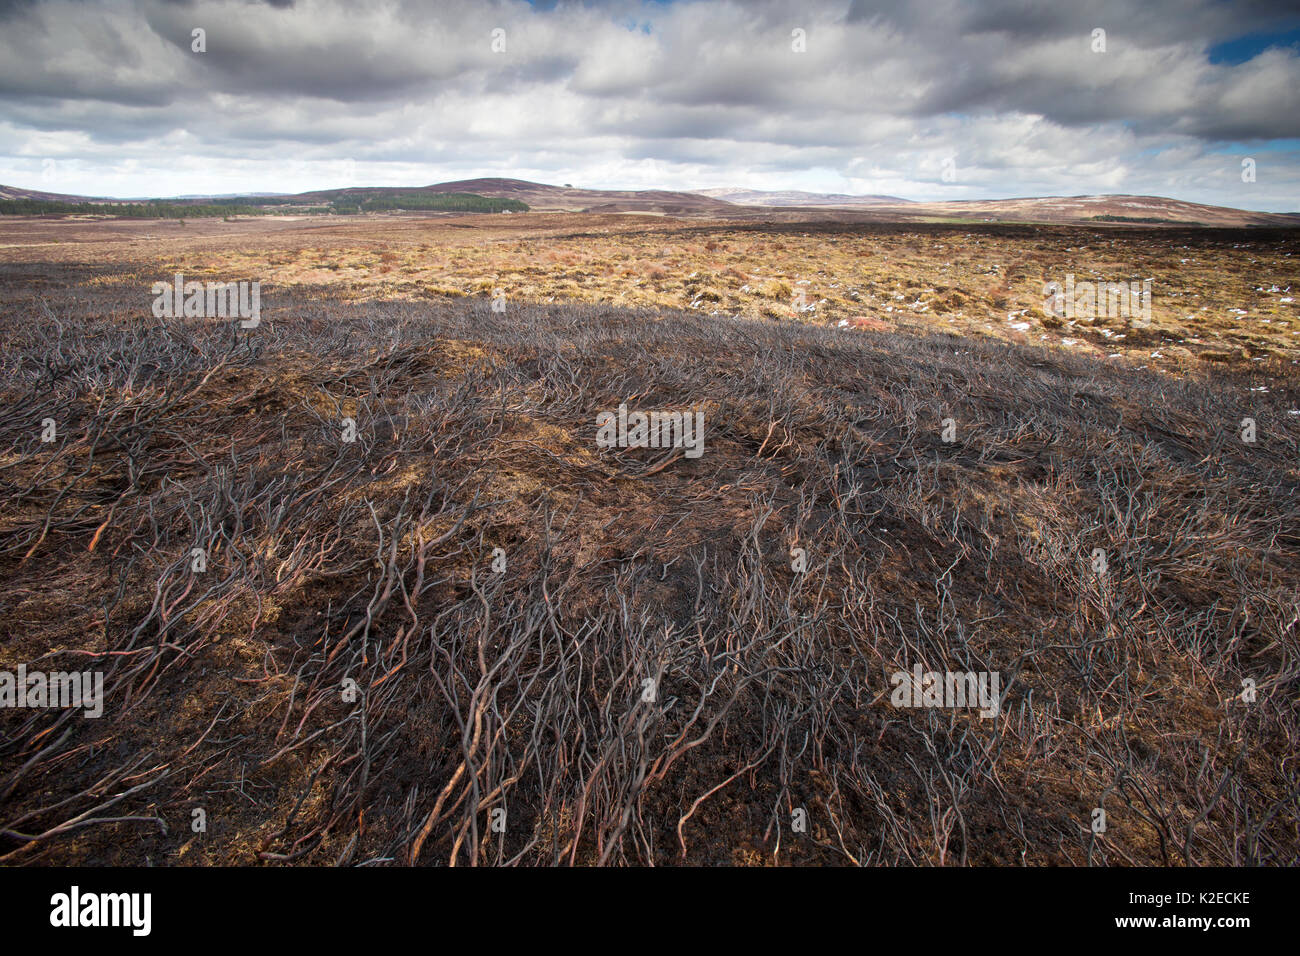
1121	209
729	203
546	198
1145	210
796	197
542	197
14	192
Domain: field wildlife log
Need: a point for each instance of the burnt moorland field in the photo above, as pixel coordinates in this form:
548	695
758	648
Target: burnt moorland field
354	678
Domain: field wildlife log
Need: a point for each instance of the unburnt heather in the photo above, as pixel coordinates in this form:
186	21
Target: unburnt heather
349	680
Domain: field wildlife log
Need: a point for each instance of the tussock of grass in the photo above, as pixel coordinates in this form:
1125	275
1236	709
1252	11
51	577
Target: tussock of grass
963	279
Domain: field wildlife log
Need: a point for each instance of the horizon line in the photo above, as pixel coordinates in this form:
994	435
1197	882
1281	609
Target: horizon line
694	192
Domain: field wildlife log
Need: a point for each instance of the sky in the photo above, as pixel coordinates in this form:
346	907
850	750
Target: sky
936	100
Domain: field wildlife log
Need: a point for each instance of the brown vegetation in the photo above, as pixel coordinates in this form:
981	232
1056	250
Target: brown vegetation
523	690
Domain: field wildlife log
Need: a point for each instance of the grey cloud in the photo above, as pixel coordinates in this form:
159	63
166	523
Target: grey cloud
1010	86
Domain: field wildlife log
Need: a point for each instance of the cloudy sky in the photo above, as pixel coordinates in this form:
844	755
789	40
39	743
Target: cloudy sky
1012	98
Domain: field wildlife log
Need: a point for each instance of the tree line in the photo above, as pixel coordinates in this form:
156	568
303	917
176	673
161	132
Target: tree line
444	202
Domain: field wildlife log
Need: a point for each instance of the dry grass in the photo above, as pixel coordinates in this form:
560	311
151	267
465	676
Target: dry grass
1218	295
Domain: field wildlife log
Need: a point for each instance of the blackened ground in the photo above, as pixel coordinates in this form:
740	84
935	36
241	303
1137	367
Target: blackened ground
333	565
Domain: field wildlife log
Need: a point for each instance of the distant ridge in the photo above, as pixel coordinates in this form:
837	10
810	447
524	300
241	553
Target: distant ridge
542	197
752	205
796	197
14	192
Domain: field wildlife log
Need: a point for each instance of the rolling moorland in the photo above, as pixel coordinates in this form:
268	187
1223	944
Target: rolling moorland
725	203
354	678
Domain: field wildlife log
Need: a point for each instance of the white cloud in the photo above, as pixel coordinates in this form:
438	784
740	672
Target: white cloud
636	95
